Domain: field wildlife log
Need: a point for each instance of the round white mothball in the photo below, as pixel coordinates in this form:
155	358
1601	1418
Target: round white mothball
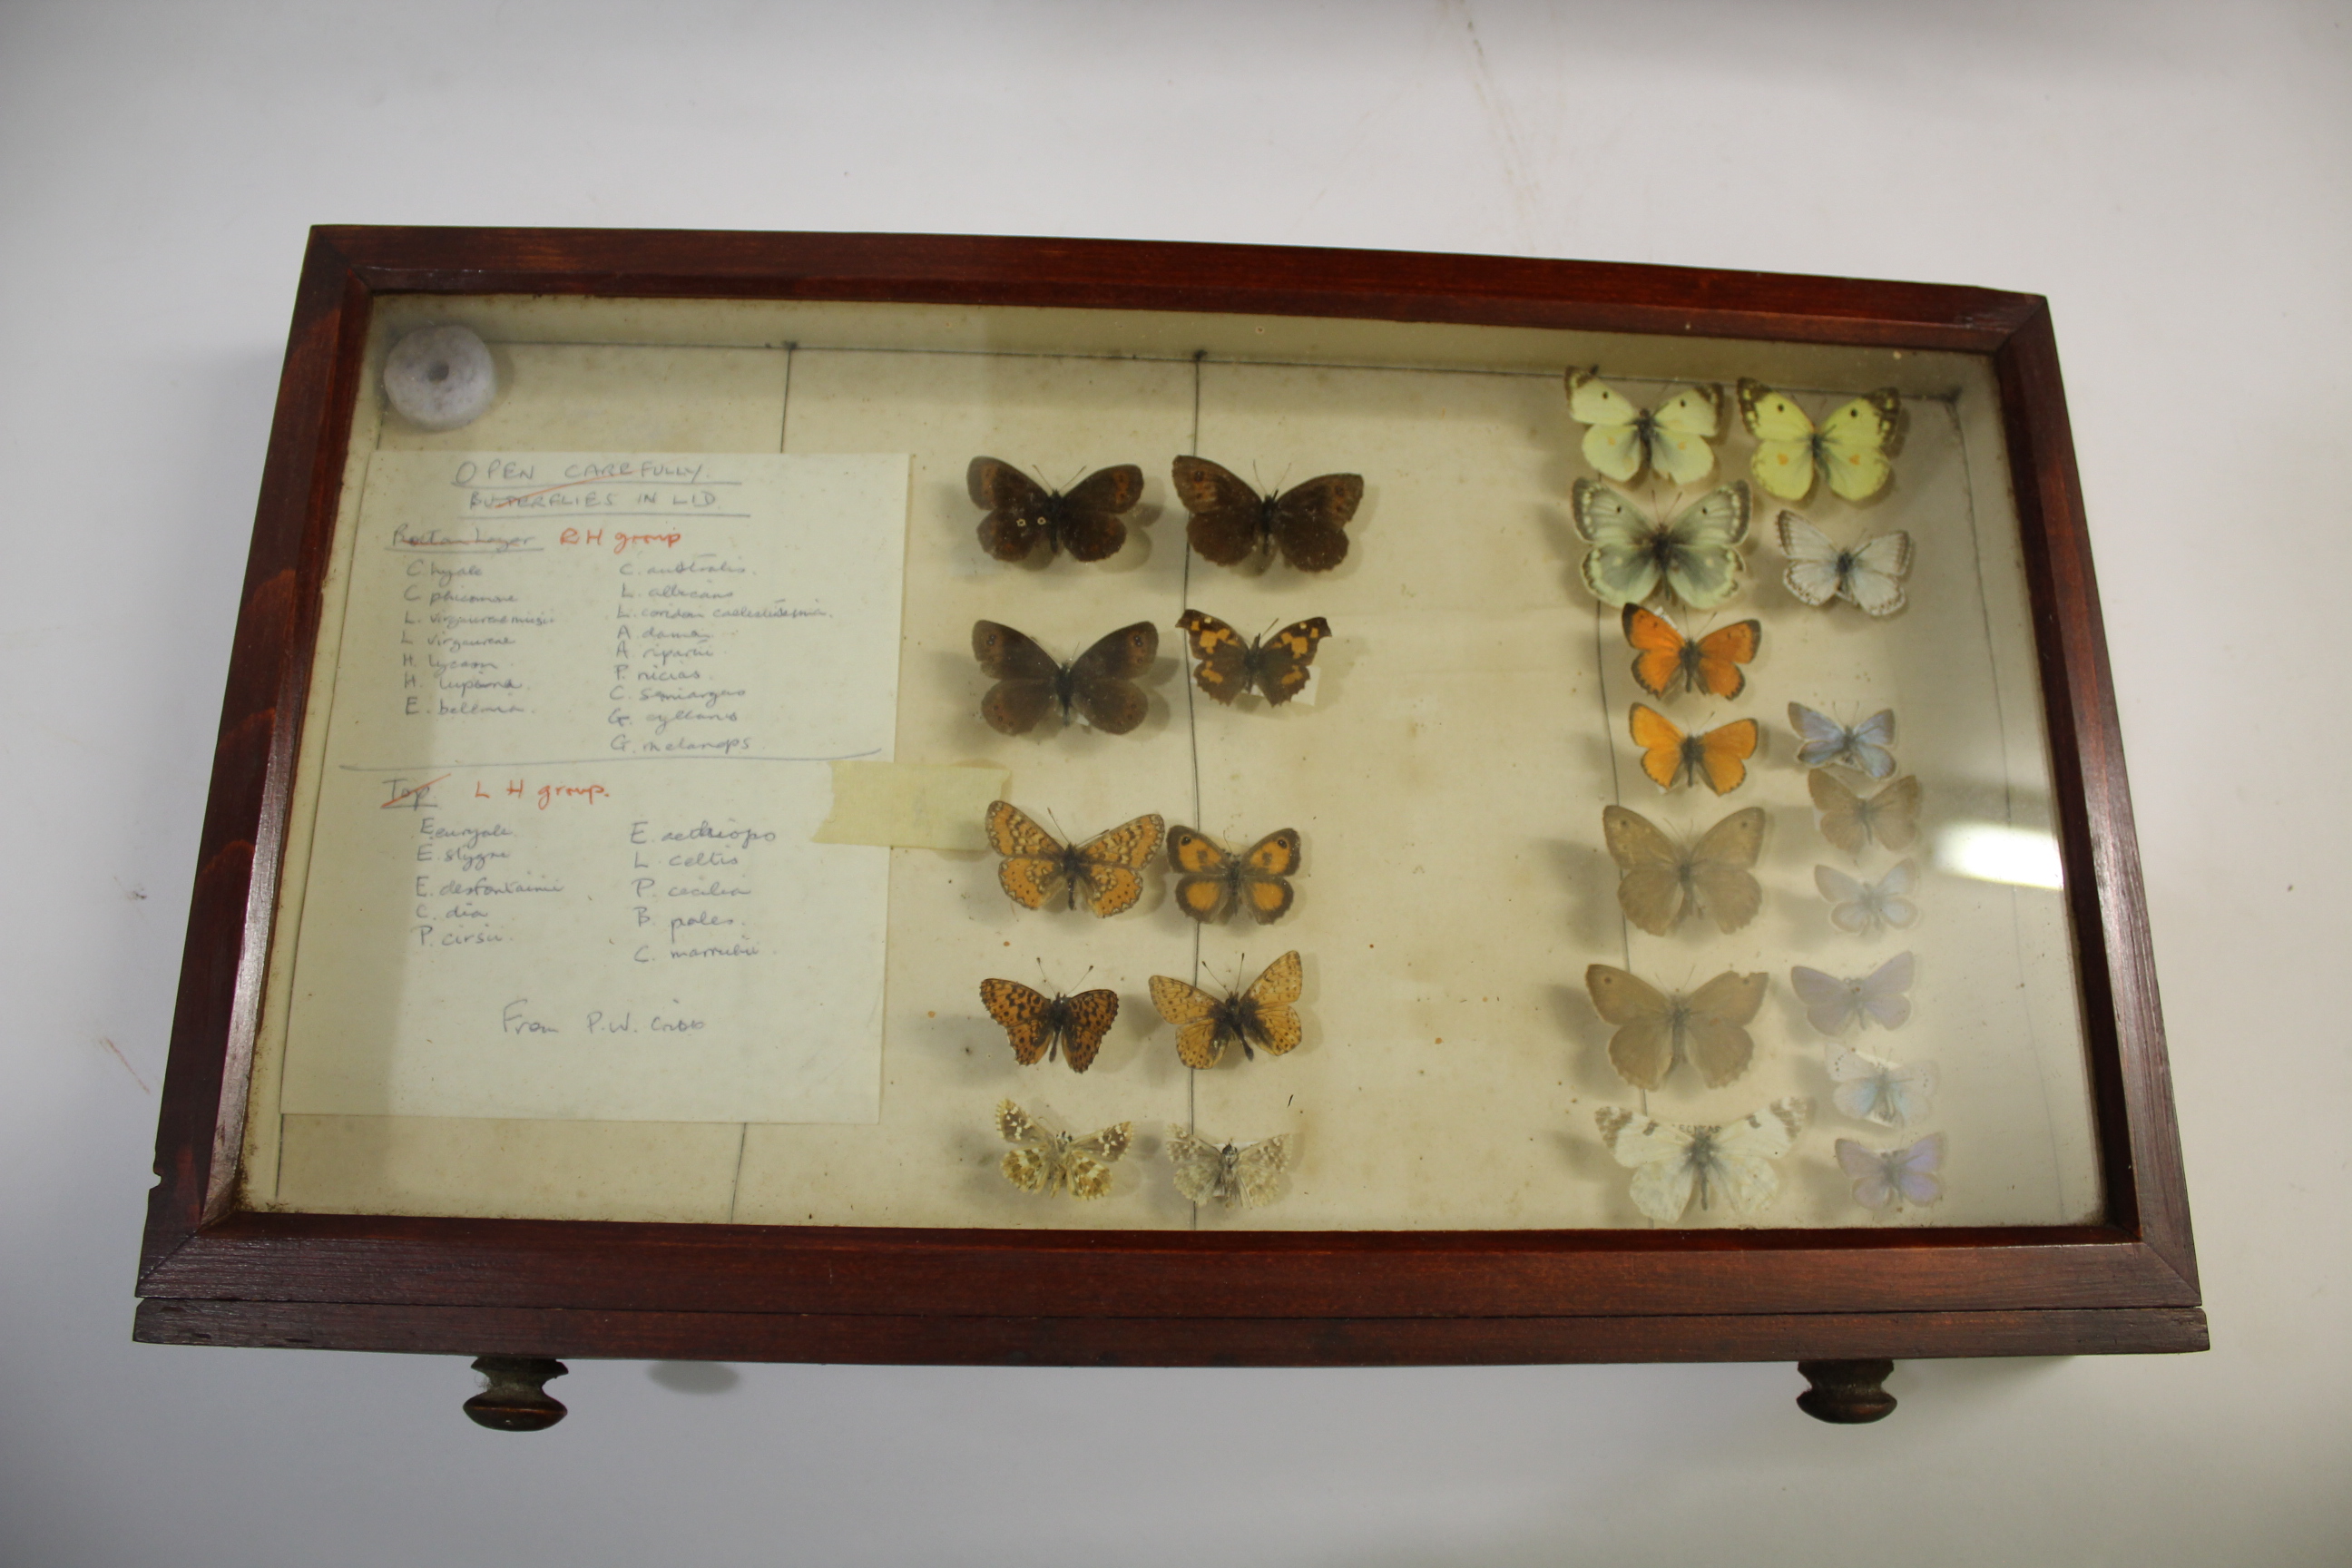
440	377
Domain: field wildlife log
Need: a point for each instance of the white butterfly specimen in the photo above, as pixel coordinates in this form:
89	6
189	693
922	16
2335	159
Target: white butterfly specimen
1836	1003
1051	1158
1872	1088
1826	743
1894	1176
1733	1162
1696	554
1851	447
1868	575
1864	909
1230	1173
1672	440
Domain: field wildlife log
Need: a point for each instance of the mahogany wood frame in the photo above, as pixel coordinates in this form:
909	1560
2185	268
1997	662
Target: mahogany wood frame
212	1274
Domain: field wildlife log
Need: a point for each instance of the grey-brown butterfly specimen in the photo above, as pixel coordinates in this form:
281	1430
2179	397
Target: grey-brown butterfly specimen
1248	1175
1307	523
1661	881
1024	514
1099	686
1050	1158
1849	820
1707	1028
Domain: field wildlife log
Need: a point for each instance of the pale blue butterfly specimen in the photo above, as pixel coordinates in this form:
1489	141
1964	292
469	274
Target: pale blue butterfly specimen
1893	1177
1860	907
1836	1005
1868	575
1826	743
1695	553
1872	1088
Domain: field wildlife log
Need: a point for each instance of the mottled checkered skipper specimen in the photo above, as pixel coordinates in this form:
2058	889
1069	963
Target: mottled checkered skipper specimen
1050	1159
1245	1175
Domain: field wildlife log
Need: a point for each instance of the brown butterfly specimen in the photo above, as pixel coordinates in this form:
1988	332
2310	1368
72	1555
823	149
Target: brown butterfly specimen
1717	759
1038	1025
1024	514
1707	1028
1230	665
1890	816
1212	881
1051	1158
1663	658
1661	881
1105	871
1307	523
1261	1015
1099	685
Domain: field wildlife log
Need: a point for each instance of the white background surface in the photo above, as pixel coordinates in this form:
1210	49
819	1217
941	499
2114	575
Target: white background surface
2174	177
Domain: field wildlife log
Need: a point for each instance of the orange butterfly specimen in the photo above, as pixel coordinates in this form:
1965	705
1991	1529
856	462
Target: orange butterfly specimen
1107	869
1231	664
1261	1015
1663	658
1211	879
1719	758
1036	1024
1306	523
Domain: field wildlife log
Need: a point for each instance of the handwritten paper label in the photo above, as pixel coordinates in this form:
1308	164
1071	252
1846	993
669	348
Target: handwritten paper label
581	728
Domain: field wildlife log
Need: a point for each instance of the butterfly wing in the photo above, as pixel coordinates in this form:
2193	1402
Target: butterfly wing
1091	526
1283	659
1258	1171
1027	1017
1309	521
1843	821
1102	678
1087	1019
1659	1155
1890	898
1913	1169
1642	1048
1783	463
1026	1167
1703	547
1892	815
1879	995
1221	655
1087	1161
1830	1004
1206	876
1649	887
1195	1013
1863	1084
1743	1151
1110	865
1195	1163
1661	741
1821	740
1660	659
1226	514
1613	439
1864	746
1265	872
1852	908
1621	568
1715	1035
1874	573
1723	755
1812	573
1872	1187
1018	518
1272	1020
1715	669
1679	433
1028	679
1035	864
1853	444
1720	869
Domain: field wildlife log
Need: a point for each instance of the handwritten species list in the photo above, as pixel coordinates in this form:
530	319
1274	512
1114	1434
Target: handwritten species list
582	716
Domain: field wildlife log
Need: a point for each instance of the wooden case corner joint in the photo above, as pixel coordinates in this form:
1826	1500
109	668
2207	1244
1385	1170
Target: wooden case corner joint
517	1399
1846	1392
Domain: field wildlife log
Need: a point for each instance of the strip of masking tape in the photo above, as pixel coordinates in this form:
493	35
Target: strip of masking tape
911	805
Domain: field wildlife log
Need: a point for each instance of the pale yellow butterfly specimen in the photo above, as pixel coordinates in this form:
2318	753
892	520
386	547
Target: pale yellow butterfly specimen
1850	449
1661	881
1244	1174
1707	1028
1731	1161
1051	1158
1620	438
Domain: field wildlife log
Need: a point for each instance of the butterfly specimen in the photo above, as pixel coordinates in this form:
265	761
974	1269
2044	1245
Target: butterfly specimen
1824	742
1229	666
1024	514
1709	665
1660	881
1230	1173
1719	758
1658	1028
1870	1089
1696	554
1868	575
1306	523
1049	1158
1038	1025
1106	870
1835	1003
1211	881
1894	1176
1864	909
1850	448
1099	686
1731	1161
1890	816
1672	440
1261	1015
